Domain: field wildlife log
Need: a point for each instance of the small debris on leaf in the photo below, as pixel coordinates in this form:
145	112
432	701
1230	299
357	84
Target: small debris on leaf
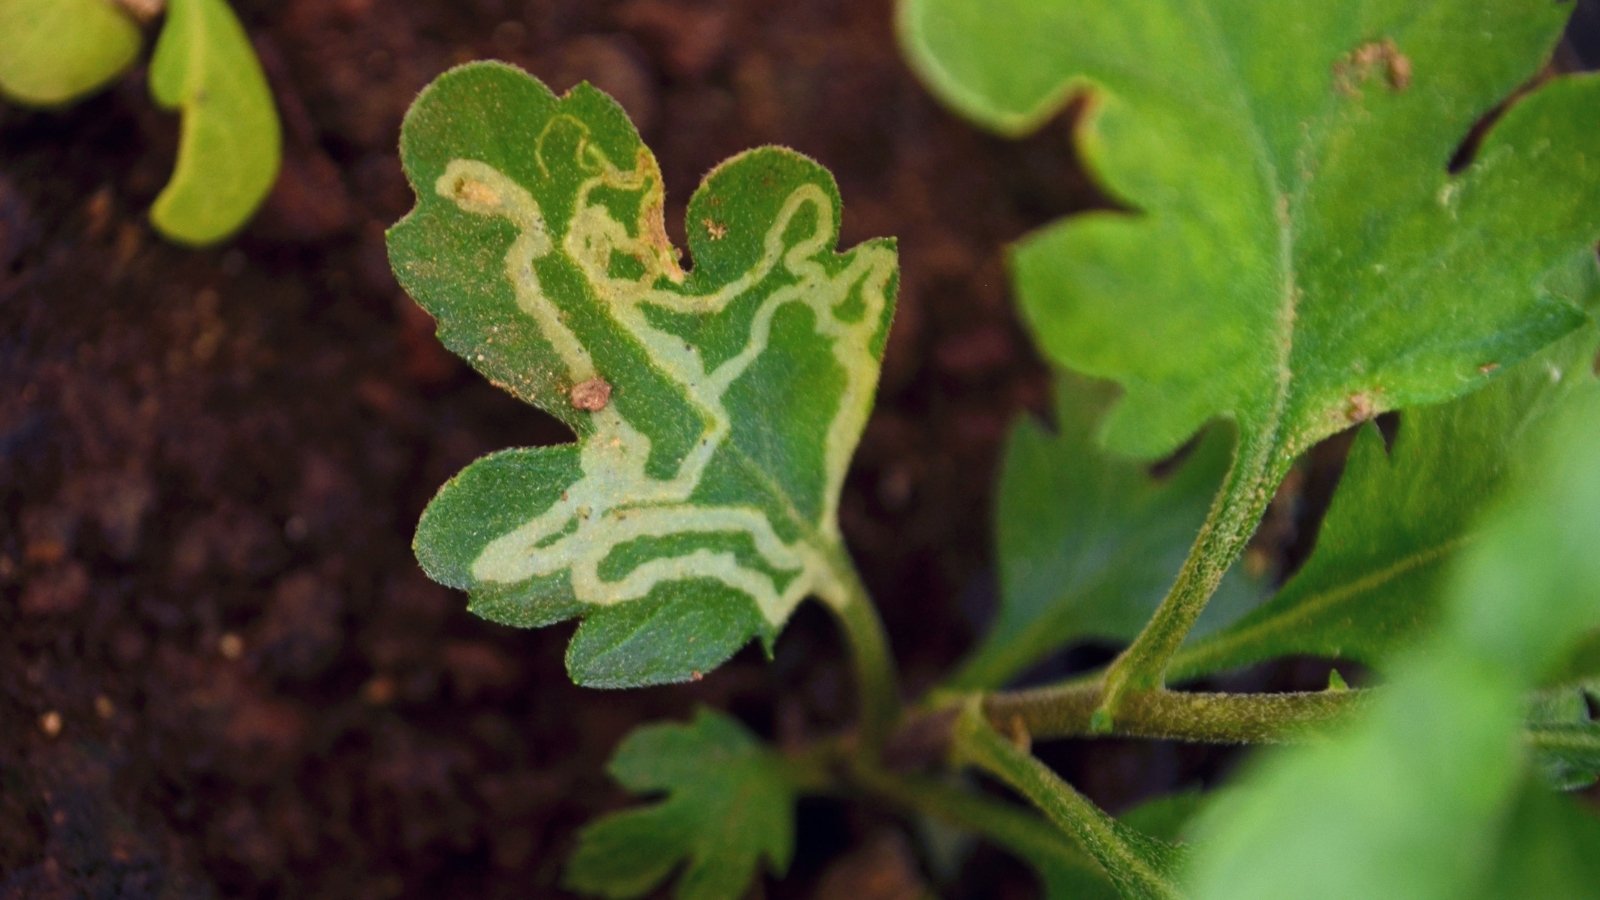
591	395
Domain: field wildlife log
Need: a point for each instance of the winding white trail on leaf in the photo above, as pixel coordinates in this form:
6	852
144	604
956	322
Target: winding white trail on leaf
615	501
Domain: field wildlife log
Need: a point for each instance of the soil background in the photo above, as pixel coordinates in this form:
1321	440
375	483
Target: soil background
222	673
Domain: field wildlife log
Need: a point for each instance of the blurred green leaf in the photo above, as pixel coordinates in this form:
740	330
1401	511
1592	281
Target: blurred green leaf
229	150
55	51
1546	849
1088	543
729	804
1401	516
1414	800
716	409
1300	258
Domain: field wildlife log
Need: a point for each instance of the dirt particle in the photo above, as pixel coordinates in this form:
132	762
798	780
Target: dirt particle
44	552
1488	368
50	723
103	707
231	646
715	229
696	675
59	591
380	690
592	395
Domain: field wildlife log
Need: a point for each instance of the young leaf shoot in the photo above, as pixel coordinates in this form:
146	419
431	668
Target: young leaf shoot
55	51
230	146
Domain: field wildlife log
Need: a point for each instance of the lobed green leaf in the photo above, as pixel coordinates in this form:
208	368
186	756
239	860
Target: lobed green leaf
715	408
1087	543
1301	257
729	805
230	145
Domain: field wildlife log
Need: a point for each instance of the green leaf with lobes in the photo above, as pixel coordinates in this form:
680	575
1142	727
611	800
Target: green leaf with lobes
231	144
55	51
1088	542
1301	258
729	805
716	408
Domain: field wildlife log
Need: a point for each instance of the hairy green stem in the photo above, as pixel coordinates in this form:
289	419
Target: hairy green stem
1137	864
1258	467
833	767
1008	826
876	688
1564	738
1068	711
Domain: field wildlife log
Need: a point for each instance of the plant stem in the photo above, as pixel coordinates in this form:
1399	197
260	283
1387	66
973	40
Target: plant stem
1140	866
1011	827
1068	711
1564	738
1258	466
879	696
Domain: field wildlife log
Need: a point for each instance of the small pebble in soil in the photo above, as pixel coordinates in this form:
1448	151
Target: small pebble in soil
231	646
103	707
379	690
50	723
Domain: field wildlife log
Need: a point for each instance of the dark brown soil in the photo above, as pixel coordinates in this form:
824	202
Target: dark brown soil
221	672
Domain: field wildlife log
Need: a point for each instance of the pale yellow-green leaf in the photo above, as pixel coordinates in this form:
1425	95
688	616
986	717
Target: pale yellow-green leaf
228	154
55	51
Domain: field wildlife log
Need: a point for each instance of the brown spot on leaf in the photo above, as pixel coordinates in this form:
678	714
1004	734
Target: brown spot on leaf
476	193
592	395
1358	66
1359	408
1399	69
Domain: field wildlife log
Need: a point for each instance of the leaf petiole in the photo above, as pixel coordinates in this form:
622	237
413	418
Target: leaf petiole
1005	824
1217	718
870	657
1139	865
1259	466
